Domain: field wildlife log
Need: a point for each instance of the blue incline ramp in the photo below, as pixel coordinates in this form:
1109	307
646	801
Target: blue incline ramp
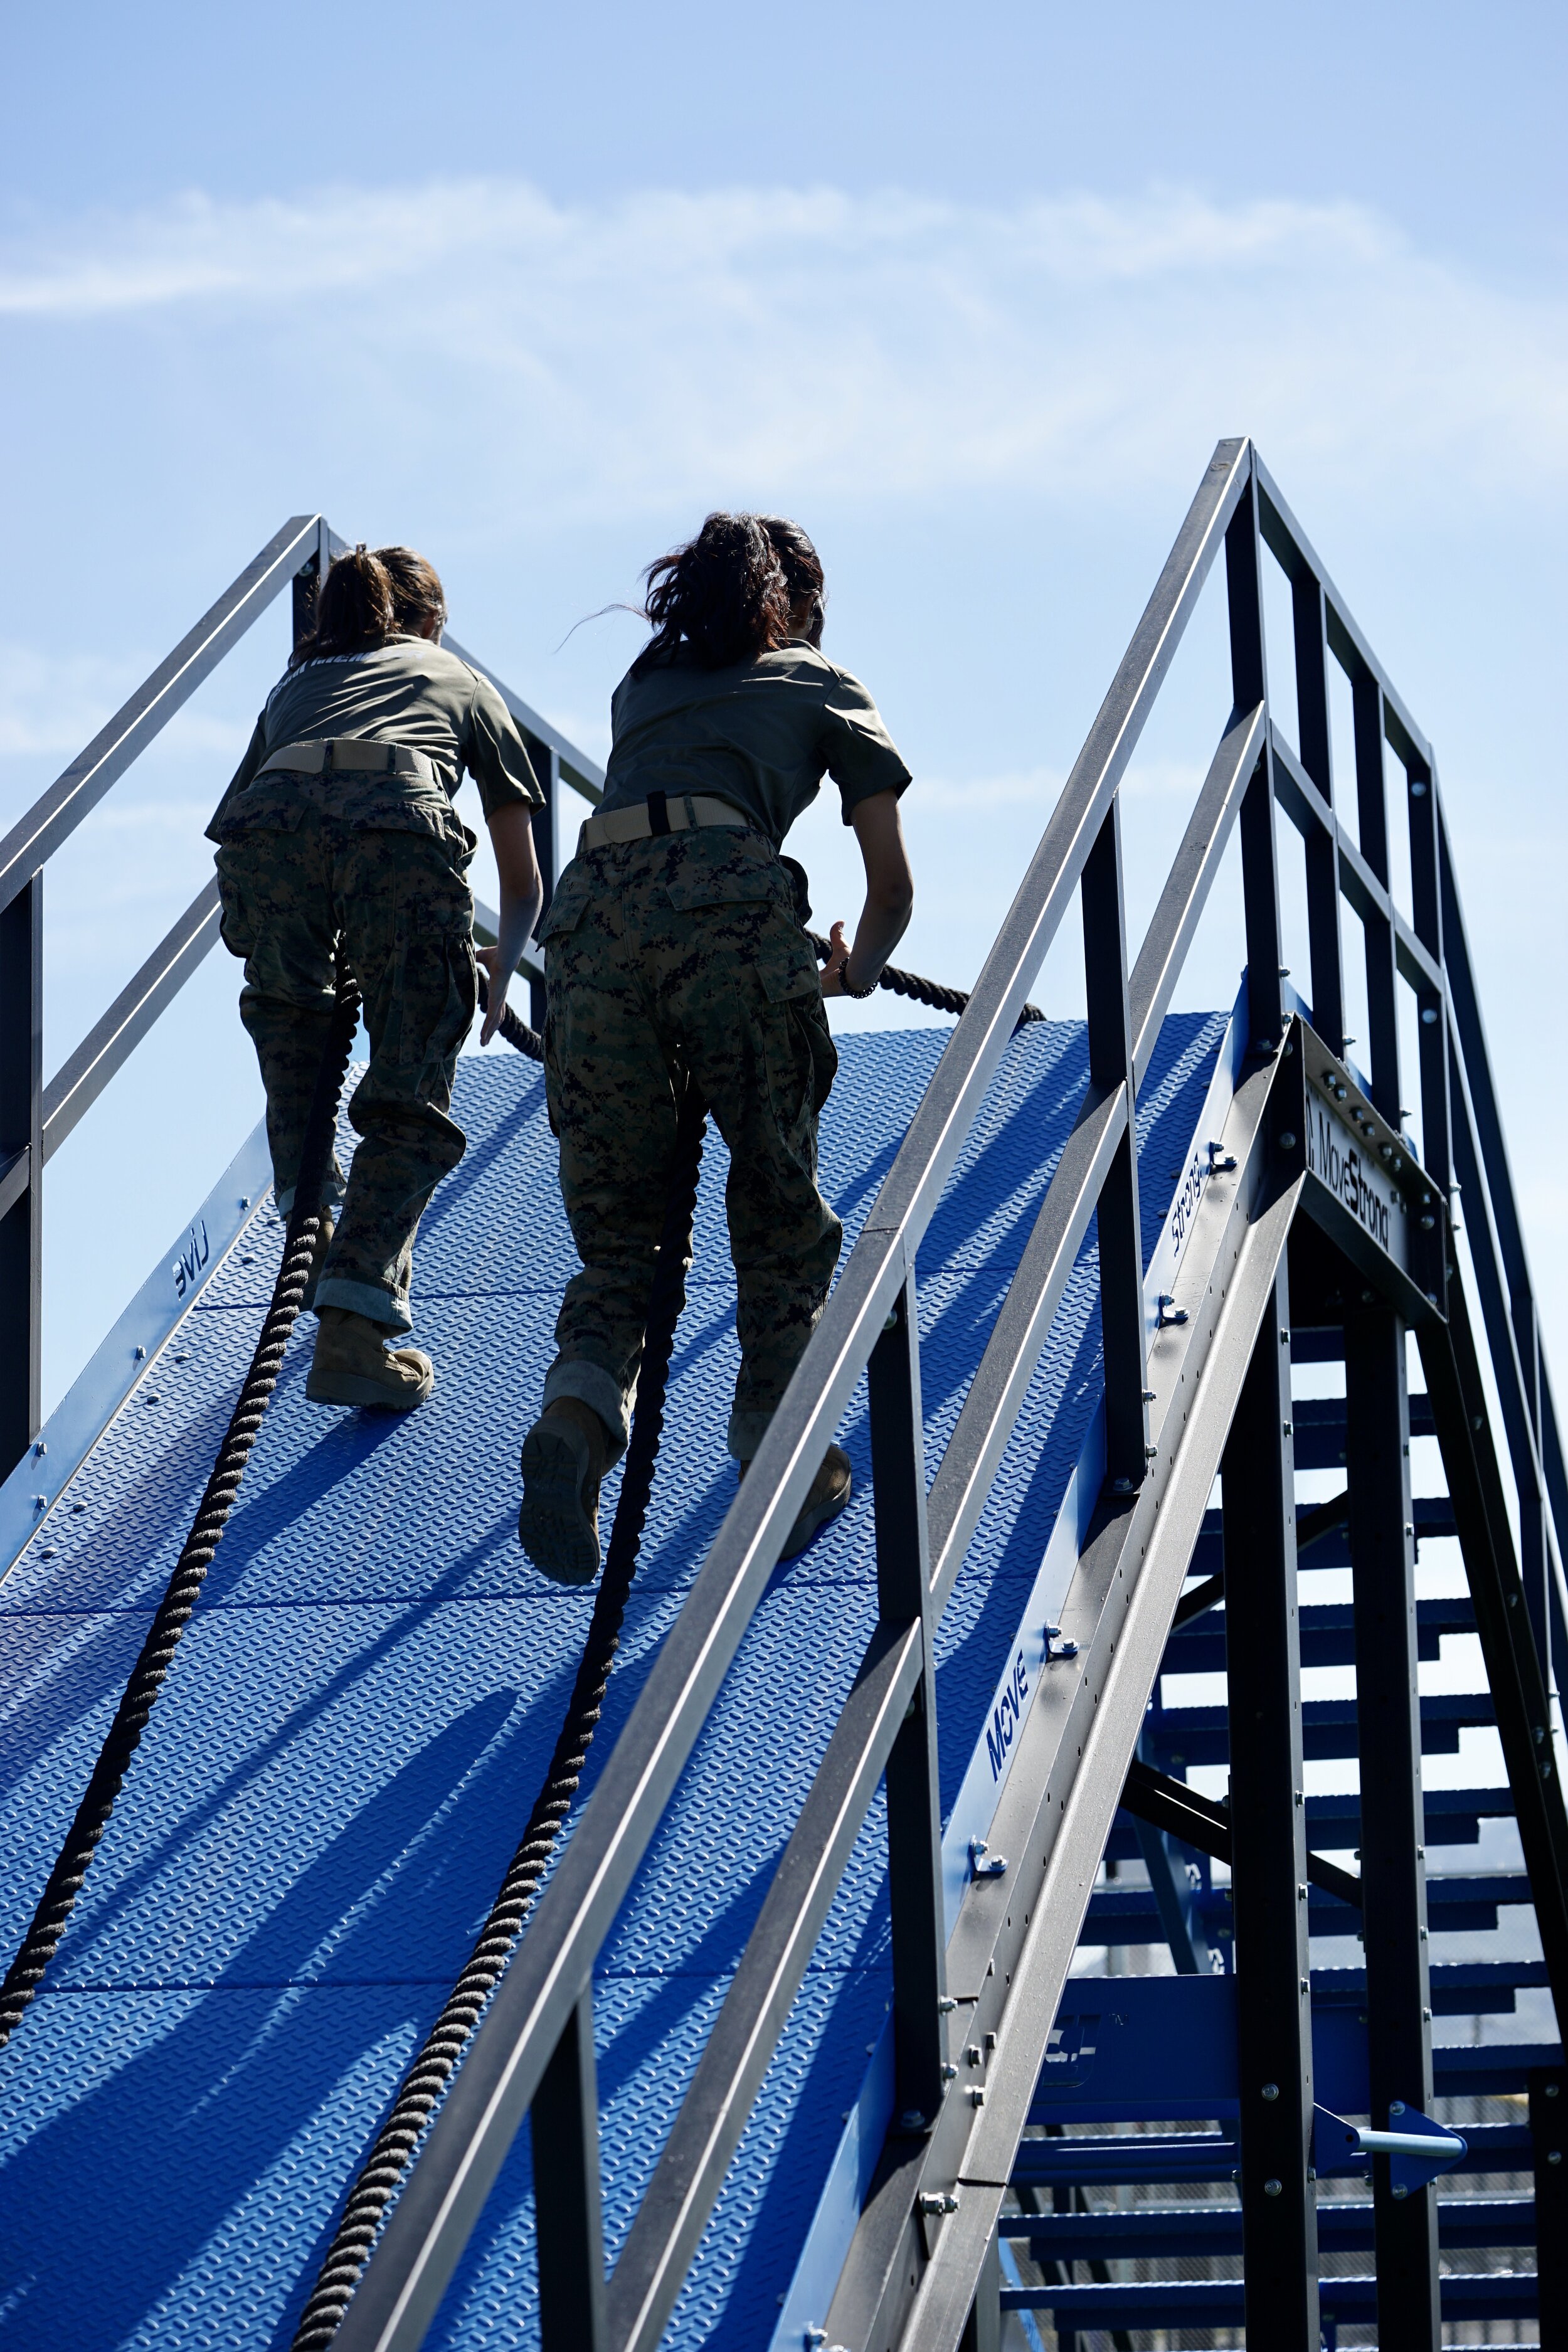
363	1709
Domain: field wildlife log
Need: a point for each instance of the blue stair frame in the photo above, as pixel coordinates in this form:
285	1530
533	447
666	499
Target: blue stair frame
970	1916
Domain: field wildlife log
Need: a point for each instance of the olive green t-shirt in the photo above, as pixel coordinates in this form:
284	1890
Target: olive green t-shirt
409	691
761	735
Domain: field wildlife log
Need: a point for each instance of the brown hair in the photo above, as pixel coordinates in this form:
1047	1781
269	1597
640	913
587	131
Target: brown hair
801	564
354	610
721	598
417	596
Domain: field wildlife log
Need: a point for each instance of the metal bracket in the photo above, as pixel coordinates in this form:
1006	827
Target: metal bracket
1417	2152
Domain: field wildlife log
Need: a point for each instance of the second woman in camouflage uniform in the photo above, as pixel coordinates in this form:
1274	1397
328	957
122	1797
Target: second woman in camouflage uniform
673	949
338	831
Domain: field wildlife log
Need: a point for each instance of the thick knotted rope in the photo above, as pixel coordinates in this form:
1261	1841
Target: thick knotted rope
923	991
42	1940
427	2079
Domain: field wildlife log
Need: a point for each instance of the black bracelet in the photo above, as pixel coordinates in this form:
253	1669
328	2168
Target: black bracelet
846	990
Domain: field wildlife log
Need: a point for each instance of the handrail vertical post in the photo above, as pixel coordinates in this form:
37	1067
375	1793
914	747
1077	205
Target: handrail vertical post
1372	825
1122	1311
1393	1872
1548	2141
547	847
22	1170
1259	859
1310	617
566	2192
1426	891
307	588
1274	2010
914	1804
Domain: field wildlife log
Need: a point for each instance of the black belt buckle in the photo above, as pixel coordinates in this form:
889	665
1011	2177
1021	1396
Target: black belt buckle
657	813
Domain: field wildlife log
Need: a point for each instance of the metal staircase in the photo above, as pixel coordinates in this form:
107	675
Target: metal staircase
1091	1492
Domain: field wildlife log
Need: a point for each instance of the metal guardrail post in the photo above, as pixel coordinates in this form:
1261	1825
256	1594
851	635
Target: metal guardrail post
547	847
1309	616
1111	1070
1372	829
914	1802
1392	1871
1268	1844
1548	2141
21	1169
1249	688
1432	1011
566	2191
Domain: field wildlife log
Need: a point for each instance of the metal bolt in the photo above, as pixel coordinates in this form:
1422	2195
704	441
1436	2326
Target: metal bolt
1272	2090
946	2005
1554	2155
977	2097
1302	1892
913	2118
40	1449
40	1502
1397	2106
1400	2190
1273	2188
1287	1140
1122	1486
245	1200
141	1354
950	2074
1551	2090
973	2053
1430	1014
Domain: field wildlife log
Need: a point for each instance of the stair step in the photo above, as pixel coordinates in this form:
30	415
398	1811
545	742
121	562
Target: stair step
1453	1817
1220	2303
1178	1736
1328	1635
1151	2159
1172	2232
1455	1904
1433	1515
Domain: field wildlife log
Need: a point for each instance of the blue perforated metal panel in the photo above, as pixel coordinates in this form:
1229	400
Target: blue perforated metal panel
365	1703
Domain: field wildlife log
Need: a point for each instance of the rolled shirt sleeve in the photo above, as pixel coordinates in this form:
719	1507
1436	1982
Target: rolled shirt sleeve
496	755
862	758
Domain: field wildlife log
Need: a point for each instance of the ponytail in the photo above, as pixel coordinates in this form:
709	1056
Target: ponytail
356	609
721	599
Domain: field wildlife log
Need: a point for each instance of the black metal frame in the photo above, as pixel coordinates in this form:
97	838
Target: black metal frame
921	2251
35	1119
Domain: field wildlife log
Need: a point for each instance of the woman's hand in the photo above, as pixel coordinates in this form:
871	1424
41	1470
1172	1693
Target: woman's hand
833	970
487	959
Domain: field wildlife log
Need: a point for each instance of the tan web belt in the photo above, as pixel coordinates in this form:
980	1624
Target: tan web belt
660	813
356	755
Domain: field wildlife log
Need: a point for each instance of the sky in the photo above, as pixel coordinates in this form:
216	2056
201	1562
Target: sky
971	293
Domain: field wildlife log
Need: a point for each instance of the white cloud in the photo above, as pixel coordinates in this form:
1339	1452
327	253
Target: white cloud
593	358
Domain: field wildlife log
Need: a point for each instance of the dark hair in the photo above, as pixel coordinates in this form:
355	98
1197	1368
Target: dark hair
799	560
417	596
354	609
722	598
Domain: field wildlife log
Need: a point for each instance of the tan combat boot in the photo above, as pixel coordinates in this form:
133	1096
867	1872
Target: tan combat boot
564	1457
825	1498
353	1365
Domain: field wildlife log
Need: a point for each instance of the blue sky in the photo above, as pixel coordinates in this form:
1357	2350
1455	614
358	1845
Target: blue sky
971	293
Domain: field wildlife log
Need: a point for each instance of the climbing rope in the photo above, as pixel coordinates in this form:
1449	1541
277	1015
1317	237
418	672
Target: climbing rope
923	991
174	1613
432	2070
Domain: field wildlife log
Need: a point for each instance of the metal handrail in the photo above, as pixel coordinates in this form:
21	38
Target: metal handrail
550	1978
430	2226
76	791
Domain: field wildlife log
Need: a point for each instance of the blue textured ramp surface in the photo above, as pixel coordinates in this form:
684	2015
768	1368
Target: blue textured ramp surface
364	1704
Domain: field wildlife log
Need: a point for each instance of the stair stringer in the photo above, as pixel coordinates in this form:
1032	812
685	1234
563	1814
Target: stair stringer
909	2279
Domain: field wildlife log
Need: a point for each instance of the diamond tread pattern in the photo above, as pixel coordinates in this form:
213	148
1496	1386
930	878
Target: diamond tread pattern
324	1803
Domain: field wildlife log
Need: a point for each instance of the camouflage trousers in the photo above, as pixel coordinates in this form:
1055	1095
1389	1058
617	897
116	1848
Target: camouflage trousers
675	957
381	870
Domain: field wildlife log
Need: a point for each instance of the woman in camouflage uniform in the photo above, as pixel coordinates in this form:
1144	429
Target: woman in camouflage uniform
338	831
673	947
